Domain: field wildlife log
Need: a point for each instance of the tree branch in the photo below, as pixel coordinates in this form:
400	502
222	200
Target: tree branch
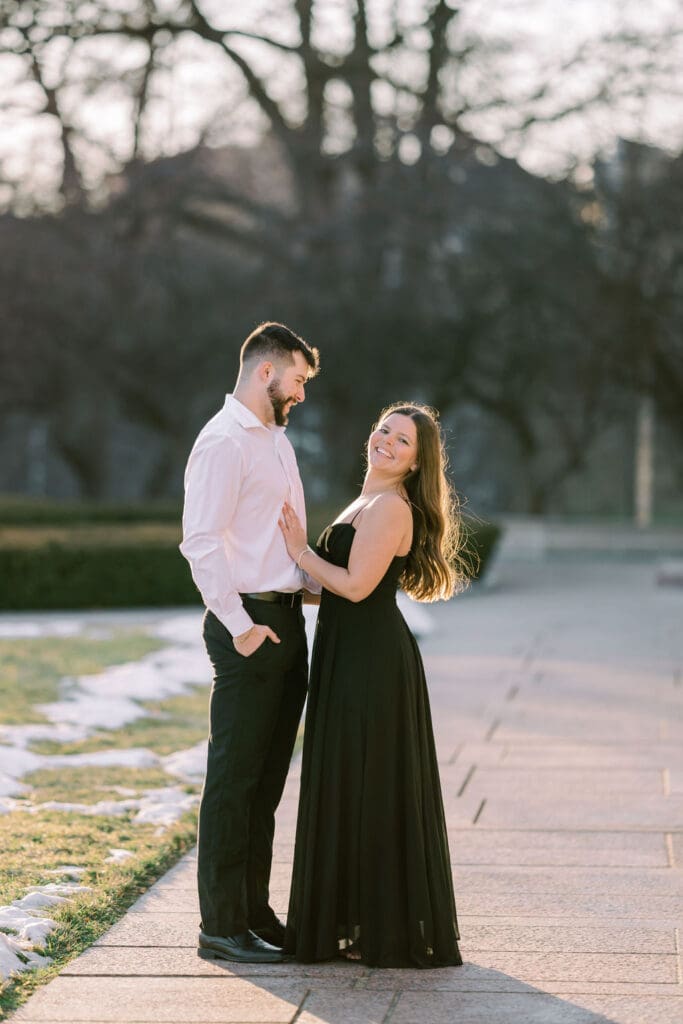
141	99
286	47
72	188
201	26
360	76
439	21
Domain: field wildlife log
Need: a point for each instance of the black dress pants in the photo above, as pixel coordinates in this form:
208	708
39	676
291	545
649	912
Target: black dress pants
255	709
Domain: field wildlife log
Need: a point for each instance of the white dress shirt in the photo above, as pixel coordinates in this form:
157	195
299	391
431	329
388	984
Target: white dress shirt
238	476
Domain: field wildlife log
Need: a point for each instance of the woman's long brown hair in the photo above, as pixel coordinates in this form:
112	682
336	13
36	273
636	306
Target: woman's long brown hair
437	566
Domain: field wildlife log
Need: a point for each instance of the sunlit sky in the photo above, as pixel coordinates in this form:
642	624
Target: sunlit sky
197	91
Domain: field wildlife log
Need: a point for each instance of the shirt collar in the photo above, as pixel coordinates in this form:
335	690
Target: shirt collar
245	417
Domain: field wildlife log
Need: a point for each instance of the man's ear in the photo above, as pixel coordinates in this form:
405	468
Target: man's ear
266	371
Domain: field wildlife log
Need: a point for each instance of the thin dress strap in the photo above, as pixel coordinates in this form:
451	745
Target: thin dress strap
351	521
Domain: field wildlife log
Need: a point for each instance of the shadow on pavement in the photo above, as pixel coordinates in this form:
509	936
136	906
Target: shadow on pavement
337	993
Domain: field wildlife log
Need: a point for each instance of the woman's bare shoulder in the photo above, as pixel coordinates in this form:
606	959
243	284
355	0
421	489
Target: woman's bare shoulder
390	505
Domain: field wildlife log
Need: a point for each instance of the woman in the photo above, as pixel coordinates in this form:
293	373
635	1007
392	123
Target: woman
372	876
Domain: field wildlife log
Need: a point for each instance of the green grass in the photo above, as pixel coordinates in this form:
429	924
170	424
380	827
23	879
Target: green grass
91	783
33	844
30	669
51	840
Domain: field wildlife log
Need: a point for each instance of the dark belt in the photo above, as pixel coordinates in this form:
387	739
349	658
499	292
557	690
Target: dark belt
292	600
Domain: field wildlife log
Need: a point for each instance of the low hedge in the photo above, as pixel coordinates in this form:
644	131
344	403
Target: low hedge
25	511
61	576
93	567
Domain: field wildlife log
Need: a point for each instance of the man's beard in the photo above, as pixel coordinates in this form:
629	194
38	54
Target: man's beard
278	401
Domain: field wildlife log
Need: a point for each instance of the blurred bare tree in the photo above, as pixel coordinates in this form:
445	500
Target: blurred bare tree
375	212
641	254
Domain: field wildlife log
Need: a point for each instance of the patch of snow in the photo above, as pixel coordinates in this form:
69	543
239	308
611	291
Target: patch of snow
10	787
106	808
156	806
7	805
93	712
131	757
28	927
36	900
58	732
16	957
183	667
32	928
60	888
118	856
66	871
165	806
189	764
24	628
181	629
16	762
111	698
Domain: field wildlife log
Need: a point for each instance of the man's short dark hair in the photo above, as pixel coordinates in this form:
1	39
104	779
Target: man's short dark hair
275	341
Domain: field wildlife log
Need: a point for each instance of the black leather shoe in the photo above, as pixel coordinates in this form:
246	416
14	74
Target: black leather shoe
273	932
246	948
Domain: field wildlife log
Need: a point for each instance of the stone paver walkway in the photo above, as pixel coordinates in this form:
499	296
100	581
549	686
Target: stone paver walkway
557	699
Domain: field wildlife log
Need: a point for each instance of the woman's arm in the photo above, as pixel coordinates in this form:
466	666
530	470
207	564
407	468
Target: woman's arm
384	529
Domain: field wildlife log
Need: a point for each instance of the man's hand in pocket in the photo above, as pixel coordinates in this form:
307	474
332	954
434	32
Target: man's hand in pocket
247	643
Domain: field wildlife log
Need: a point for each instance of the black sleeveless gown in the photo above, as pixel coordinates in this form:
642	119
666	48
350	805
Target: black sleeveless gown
371	862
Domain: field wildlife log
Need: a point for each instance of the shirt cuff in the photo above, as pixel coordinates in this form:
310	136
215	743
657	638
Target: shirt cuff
310	584
237	622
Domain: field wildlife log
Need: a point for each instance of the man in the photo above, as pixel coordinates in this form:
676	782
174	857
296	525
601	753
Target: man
240	471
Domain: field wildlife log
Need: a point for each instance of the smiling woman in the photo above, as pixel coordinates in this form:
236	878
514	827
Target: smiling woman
372	878
409	510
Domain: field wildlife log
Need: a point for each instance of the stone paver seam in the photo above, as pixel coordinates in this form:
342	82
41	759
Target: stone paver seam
456	754
679	965
492	728
666	781
467	779
671	853
392	1006
299	1009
